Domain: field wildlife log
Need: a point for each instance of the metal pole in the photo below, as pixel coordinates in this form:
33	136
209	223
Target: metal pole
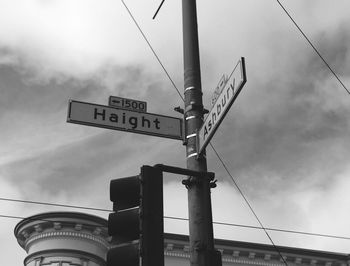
199	202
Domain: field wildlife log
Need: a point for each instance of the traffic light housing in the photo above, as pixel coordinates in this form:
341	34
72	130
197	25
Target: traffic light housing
137	222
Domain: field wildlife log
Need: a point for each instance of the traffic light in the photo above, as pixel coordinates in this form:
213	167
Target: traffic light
137	223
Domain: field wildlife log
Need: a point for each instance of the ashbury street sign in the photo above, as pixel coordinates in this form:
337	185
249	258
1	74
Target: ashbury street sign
222	104
125	120
218	89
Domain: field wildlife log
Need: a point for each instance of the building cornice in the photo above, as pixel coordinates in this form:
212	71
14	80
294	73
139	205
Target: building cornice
62	224
257	254
52	216
67	234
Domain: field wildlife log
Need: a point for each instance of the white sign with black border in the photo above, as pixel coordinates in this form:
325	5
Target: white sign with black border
96	115
224	101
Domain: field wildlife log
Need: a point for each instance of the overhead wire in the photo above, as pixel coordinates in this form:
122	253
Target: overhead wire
210	143
216	153
158	9
248	203
268	229
55	204
63	222
171	218
153	51
313	46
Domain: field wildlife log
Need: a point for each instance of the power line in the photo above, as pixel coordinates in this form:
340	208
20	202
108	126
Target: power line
241	192
285	231
56	205
158	9
249	205
166	72
174	218
153	51
317	52
268	229
222	162
63	222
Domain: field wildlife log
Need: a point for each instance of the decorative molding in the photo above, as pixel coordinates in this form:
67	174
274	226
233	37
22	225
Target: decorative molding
78	227
38	228
57	226
284	258
76	254
169	246
69	234
249	262
177	254
267	257
25	234
235	253
97	231
298	260
254	257
251	255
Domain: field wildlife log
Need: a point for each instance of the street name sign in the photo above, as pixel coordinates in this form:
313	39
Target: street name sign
124	120
218	89
224	101
127	104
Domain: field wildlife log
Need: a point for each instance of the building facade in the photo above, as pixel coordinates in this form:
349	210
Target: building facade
63	239
77	239
237	253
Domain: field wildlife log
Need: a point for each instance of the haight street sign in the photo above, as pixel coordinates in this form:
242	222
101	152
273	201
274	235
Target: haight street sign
96	115
229	93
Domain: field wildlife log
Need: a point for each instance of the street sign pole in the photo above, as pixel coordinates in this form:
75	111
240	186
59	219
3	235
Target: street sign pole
199	201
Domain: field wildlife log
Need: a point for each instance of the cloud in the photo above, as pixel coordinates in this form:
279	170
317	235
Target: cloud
289	125
61	157
62	36
73	167
333	46
33	106
285	140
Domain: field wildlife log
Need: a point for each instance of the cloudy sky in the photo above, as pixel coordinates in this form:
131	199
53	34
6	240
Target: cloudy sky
285	139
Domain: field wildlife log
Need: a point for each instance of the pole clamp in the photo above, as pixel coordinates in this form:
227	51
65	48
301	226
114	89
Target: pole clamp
179	110
190	181
194	107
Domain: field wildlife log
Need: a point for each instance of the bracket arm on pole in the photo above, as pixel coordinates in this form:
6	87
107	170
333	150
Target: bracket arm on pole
184	171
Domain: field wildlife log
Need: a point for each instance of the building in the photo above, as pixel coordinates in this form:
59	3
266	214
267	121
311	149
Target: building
237	253
63	239
77	239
